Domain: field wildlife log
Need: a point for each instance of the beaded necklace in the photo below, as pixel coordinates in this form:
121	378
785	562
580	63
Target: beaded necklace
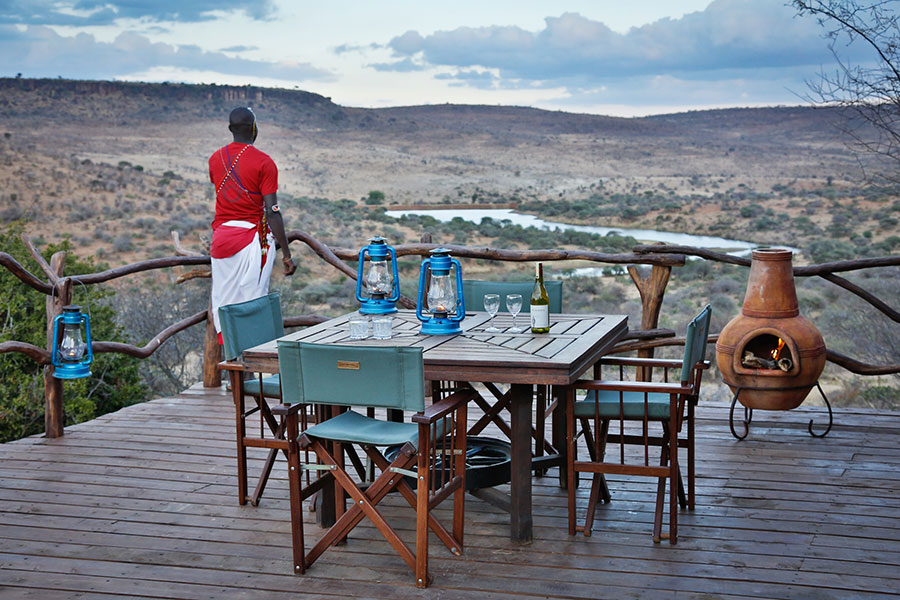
229	170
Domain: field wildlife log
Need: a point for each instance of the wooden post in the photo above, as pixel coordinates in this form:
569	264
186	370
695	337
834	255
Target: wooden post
652	288
54	419
212	351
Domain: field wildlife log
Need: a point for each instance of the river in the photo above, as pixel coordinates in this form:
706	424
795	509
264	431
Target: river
475	215
737	247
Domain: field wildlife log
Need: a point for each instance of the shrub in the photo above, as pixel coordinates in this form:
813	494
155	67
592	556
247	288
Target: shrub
122	243
115	381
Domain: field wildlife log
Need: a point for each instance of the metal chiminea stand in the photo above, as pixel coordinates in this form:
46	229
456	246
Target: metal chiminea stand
769	355
748	416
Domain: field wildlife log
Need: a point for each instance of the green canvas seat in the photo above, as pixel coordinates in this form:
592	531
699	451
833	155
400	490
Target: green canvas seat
251	323
338	377
656	412
248	324
474	291
271	386
632	405
360	429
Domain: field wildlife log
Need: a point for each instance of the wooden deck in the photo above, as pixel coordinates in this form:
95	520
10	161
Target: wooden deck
142	504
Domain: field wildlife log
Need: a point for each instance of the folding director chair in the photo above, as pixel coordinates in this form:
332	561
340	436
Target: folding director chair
432	446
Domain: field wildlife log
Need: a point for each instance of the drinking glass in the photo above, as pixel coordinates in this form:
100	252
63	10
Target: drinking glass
492	305
381	328
359	327
514	305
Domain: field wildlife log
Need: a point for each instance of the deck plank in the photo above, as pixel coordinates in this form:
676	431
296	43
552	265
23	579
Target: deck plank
142	504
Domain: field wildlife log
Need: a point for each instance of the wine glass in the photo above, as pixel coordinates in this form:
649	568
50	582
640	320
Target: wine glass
492	305
514	305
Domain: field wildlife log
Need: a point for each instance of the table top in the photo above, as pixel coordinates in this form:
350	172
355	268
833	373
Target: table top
559	357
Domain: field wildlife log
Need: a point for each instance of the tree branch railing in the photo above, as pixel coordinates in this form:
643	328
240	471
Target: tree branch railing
644	340
825	270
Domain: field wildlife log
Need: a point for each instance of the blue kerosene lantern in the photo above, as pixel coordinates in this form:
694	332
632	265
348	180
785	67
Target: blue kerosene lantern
72	353
382	281
444	297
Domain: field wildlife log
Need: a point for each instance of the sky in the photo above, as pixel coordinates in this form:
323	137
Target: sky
613	57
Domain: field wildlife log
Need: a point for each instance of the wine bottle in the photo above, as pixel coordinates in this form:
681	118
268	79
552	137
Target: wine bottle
540	303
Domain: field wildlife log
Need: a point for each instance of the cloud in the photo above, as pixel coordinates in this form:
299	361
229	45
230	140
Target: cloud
239	48
103	12
406	65
349	48
41	52
576	52
484	80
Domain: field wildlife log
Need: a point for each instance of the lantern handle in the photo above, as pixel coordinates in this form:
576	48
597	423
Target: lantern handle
63	280
460	298
361	281
395	296
421	295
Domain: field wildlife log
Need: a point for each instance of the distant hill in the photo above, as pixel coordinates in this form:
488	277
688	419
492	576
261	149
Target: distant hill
133	156
124	103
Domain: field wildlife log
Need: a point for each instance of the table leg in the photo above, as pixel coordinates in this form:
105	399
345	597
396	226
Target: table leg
520	467
559	432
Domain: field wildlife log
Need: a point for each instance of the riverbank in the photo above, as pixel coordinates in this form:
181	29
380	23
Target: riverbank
501	215
421	207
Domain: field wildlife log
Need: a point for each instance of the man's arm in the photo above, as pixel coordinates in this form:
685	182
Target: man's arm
276	224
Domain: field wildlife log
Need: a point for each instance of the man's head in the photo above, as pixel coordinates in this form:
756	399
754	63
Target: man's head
242	123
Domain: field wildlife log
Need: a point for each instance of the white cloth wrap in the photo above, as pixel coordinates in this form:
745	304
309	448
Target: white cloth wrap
238	278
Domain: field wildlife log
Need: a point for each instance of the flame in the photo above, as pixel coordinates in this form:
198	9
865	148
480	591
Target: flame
777	351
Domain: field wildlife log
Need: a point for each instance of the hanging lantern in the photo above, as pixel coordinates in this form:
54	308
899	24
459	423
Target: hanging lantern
382	281
442	297
72	353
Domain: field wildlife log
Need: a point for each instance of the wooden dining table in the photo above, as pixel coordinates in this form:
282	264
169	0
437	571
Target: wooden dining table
522	360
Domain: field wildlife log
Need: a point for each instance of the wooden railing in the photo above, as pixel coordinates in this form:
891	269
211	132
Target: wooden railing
651	286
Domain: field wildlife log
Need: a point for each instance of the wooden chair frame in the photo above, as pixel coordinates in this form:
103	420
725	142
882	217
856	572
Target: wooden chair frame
267	310
682	400
436	480
276	427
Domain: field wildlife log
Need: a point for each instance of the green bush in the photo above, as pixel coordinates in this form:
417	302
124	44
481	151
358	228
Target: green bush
830	250
115	380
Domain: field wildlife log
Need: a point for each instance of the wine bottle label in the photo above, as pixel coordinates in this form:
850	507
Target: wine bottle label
540	316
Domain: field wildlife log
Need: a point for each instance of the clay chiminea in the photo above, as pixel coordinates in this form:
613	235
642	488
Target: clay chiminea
769	355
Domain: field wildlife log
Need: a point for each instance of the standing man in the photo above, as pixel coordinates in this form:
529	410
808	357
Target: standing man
247	222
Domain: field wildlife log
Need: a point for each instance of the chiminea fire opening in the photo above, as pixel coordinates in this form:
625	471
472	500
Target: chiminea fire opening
767	351
769	355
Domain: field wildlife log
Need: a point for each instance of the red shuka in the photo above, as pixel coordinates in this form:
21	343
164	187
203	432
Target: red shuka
242	176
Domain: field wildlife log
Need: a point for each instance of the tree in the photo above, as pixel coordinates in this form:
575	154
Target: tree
870	89
115	381
375	197
179	362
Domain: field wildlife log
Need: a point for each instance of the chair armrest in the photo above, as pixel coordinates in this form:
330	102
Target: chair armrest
231	365
443	407
632	386
287	409
631	361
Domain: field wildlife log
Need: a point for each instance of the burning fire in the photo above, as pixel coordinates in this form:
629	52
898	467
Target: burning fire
779	358
777	351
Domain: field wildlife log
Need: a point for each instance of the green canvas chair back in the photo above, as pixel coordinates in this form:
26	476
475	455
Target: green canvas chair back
695	342
474	291
387	377
250	323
